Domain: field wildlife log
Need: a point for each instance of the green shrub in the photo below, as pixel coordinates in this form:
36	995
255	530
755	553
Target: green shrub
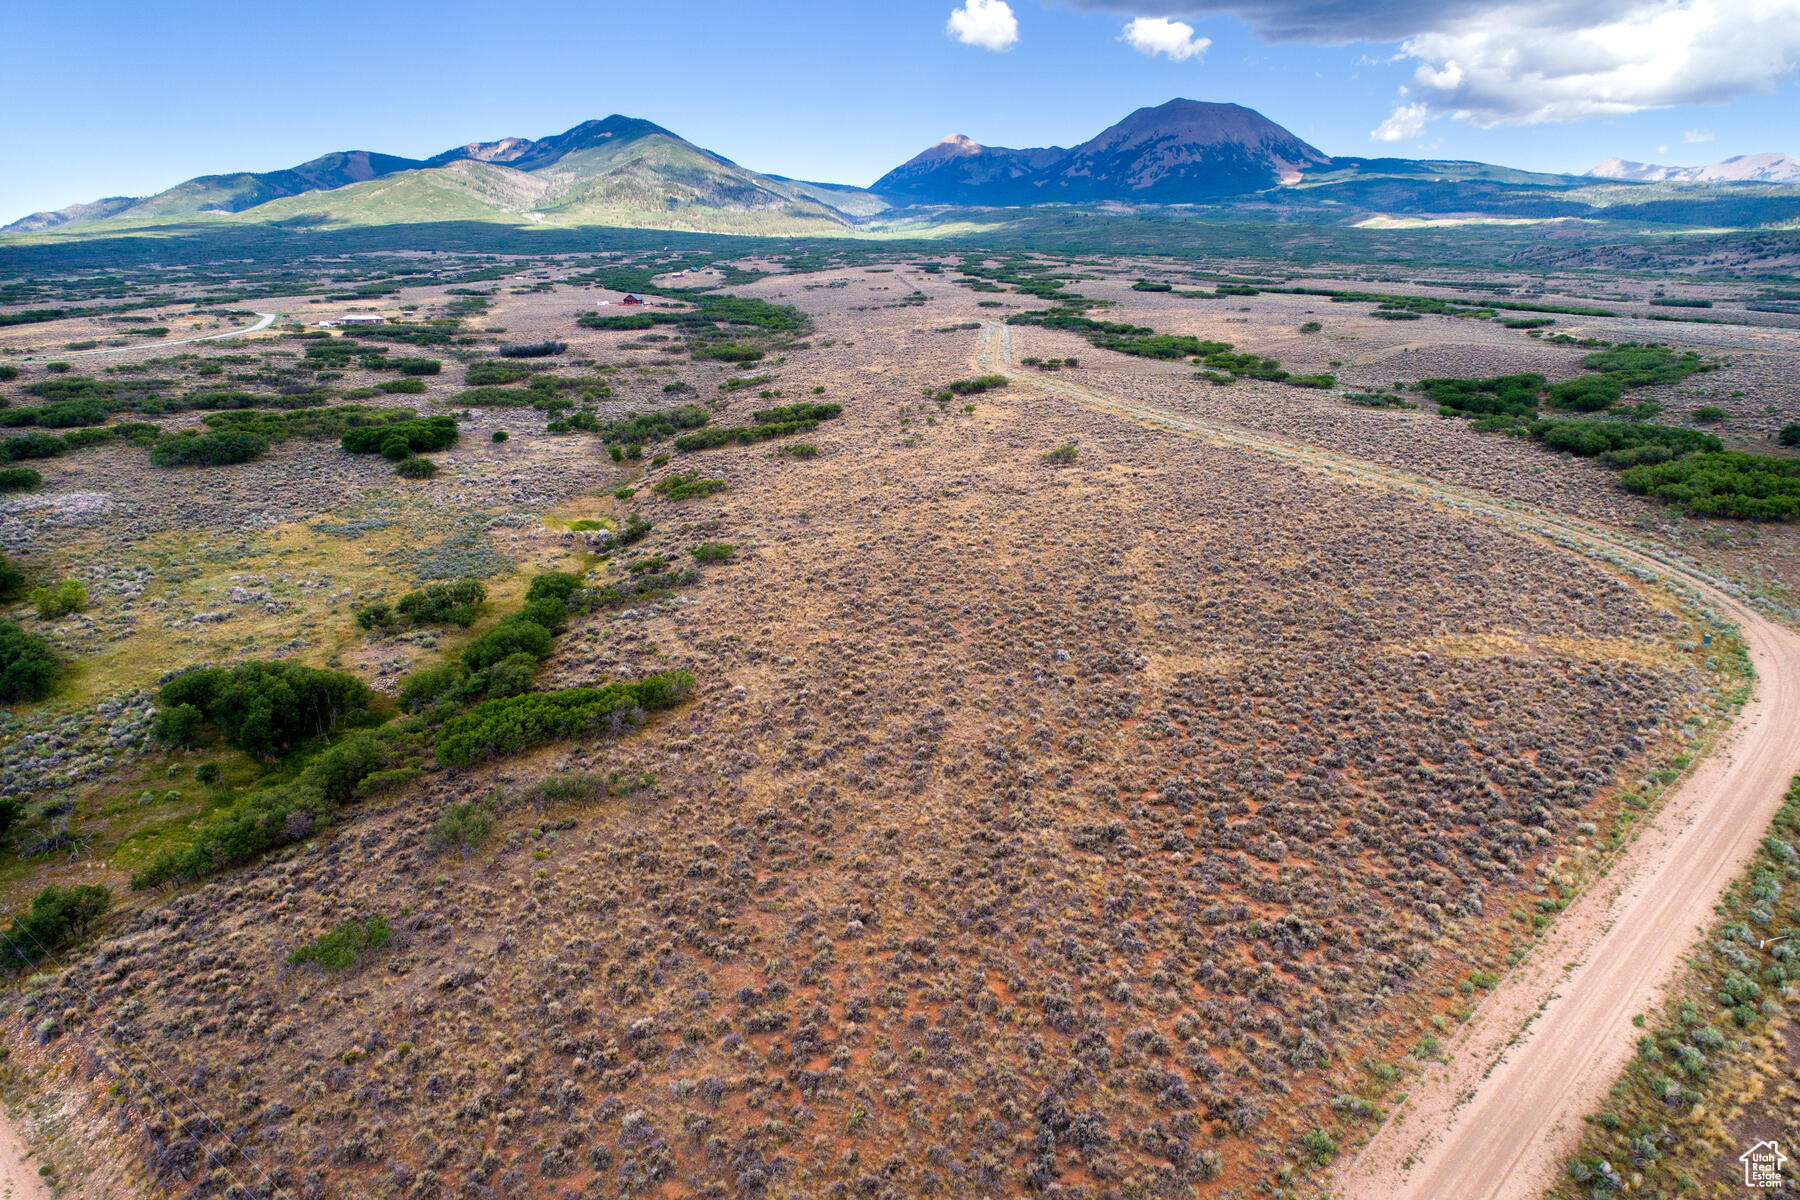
511	636
395	387
635	528
499	435
27	665
12	581
638	428
1379	400
67	597
714	552
220	448
488	373
266	707
1723	484
345	946
419	435
1063	455
208	773
8	371
58	916
679	487
799	450
19	479
1708	414
532	350
415	468
732	352
417	366
1501	395
463	827
501	727
1789	435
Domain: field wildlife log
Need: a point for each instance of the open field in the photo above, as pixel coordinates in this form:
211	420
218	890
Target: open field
1109	780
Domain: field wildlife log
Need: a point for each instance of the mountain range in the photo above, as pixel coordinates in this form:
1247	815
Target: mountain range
1740	168
625	171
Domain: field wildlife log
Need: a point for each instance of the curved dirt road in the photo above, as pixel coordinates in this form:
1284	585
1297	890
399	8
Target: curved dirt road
1500	1115
268	319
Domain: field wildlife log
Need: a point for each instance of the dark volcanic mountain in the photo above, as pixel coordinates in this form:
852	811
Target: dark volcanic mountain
1179	151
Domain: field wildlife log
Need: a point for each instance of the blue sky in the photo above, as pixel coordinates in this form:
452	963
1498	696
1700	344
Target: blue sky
111	97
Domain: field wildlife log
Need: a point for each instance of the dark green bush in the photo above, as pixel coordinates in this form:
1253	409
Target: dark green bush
501	727
57	918
714	552
19	479
532	349
191	449
489	373
512	636
680	487
343	947
12	581
463	827
1724	484
28	667
415	468
395	387
1503	395
420	435
266	707
417	366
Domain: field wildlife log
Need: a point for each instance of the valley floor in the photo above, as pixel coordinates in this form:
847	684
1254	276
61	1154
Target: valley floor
1107	780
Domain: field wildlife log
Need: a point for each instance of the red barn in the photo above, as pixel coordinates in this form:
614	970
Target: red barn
633	298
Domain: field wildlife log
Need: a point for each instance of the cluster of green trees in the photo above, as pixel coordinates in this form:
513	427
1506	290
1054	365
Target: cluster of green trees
1719	483
28	667
457	603
397	440
57	917
265	708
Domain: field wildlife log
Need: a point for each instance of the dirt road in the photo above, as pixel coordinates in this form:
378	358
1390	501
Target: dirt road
267	319
1498	1119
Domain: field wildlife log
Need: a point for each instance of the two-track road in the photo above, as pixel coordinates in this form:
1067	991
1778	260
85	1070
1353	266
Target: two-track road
1498	1118
266	320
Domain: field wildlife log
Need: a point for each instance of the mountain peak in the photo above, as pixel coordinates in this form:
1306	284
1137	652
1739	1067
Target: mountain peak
1768	167
1180	150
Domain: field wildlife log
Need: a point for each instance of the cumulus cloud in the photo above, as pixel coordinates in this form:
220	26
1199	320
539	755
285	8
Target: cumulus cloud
989	24
1406	121
1518	62
1159	35
1693	136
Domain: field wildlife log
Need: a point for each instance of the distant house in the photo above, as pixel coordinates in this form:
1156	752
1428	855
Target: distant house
633	298
364	319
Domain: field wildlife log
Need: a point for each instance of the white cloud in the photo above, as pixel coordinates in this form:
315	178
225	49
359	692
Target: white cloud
1521	62
1662	149
1694	136
1542	60
989	24
1159	35
1406	121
